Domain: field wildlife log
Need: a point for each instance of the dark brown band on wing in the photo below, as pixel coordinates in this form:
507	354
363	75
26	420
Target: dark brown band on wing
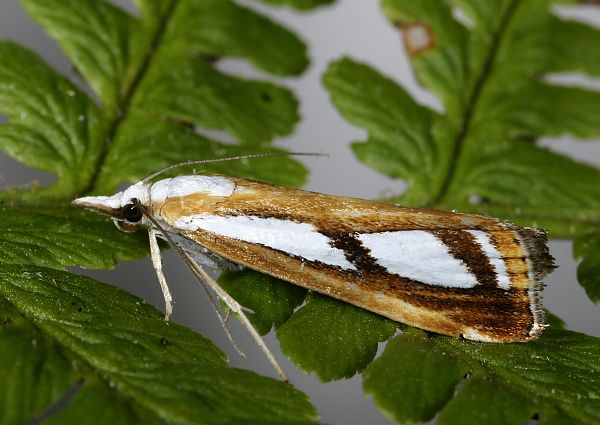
355	252
463	246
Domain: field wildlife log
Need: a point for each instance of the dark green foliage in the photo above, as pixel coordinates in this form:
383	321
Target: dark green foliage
301	4
132	366
156	81
334	340
420	375
587	248
155	93
480	154
54	236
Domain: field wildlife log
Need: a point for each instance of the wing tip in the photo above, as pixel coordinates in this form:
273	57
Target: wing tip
541	264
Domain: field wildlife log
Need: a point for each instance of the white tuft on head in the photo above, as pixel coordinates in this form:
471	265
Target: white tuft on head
137	191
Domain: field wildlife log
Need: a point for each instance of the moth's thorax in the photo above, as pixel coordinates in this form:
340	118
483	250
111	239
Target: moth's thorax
187	185
169	199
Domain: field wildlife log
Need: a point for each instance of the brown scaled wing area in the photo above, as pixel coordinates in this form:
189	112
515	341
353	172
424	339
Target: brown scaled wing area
485	312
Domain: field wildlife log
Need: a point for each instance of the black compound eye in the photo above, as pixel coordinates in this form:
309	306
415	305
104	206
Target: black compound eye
132	213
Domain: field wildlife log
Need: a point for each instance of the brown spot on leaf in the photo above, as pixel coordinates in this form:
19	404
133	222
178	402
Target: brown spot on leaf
266	97
417	37
212	59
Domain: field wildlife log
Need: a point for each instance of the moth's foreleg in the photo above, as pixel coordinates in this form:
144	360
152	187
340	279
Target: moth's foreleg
157	262
236	308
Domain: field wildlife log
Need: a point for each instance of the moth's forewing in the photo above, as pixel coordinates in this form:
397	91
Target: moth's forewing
454	274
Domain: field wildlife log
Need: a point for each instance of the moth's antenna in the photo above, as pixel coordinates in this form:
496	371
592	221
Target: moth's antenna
229	158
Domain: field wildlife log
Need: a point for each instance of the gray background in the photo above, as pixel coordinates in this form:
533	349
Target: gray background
355	28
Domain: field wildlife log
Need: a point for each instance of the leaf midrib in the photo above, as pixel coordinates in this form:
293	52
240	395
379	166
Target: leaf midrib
124	102
463	132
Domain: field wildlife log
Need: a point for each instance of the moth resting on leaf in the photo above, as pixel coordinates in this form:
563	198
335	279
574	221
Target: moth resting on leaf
456	274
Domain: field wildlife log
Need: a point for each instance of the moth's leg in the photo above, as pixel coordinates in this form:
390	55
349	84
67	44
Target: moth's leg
222	320
234	306
157	262
191	253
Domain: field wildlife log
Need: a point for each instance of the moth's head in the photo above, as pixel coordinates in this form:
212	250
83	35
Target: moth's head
125	208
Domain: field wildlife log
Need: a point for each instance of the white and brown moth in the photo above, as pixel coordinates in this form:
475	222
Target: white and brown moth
456	274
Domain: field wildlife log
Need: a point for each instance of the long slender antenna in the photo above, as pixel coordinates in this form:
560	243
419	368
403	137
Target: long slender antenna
229	158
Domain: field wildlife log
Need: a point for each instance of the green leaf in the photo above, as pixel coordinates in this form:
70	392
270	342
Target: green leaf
331	338
587	248
125	363
555	378
272	300
156	96
130	162
480	155
159	92
64	236
252	111
96	36
409	362
53	126
301	4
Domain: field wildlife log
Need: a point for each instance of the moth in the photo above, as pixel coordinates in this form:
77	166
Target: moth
456	274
